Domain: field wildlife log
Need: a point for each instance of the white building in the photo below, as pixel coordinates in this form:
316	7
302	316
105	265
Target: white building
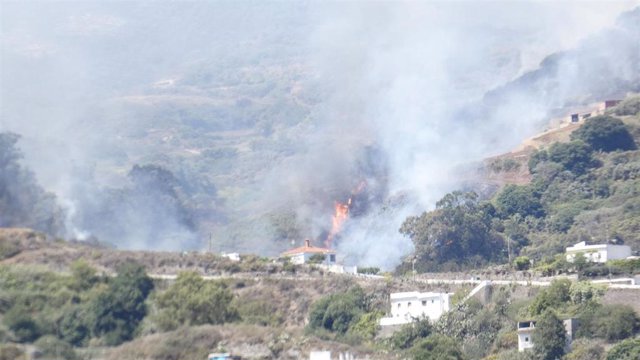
231	256
408	306
600	253
525	331
303	254
527	328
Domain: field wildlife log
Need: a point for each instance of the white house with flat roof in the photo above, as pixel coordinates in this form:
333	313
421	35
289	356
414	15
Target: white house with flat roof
600	253
527	328
408	306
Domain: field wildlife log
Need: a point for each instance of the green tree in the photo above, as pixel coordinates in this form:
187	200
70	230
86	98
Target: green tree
338	312
574	156
410	333
605	133
549	339
459	229
367	325
557	295
117	312
519	199
193	301
436	347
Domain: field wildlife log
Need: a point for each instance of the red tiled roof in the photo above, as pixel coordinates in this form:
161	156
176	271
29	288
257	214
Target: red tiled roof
306	249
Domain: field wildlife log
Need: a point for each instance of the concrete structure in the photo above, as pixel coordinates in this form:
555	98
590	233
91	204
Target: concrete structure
409	306
222	356
600	253
231	256
611	103
575	118
340	269
525	331
303	254
326	355
527	328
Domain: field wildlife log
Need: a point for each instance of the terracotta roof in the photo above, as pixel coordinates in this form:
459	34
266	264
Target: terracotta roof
308	248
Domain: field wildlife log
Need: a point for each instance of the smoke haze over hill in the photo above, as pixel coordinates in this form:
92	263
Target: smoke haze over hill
265	113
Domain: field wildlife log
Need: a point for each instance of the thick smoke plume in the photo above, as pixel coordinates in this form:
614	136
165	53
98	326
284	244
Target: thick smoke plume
156	124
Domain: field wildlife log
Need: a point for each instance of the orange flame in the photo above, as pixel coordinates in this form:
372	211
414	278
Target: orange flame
341	214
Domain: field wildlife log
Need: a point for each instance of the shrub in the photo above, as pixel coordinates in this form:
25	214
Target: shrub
11	352
585	351
74	326
605	133
625	350
338	312
193	301
436	347
522	262
260	312
24	326
51	347
610	322
584	292
368	270
630	106
367	326
408	334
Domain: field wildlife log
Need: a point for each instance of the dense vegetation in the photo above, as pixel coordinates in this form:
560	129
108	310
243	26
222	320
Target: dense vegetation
587	189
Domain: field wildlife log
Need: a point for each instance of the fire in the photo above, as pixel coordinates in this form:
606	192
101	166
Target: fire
341	214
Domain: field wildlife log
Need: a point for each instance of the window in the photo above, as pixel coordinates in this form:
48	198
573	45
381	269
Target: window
332	258
409	304
526	339
424	302
432	301
399	305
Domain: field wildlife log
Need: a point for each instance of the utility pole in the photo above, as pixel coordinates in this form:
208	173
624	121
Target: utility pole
210	242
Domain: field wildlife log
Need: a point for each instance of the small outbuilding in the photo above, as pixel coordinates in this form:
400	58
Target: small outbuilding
527	328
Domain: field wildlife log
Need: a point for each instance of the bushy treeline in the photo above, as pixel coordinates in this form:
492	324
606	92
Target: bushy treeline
84	308
587	189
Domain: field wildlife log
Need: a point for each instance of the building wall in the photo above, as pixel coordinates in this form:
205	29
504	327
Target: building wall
599	253
524	340
304	258
405	309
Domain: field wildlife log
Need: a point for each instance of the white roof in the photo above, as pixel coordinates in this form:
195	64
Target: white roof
416	295
583	246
